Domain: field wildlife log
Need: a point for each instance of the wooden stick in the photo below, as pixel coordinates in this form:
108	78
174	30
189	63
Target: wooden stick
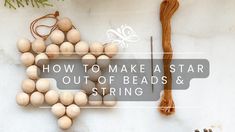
168	8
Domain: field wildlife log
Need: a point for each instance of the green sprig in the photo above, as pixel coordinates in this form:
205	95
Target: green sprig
22	3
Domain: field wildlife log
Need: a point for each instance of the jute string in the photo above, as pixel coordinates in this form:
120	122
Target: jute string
168	8
34	27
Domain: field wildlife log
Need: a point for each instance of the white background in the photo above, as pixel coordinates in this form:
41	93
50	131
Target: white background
200	28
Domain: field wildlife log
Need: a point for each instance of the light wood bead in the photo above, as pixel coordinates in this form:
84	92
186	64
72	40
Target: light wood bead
111	49
95	100
103	61
53	51
89	59
96	49
22	99
23	45
58	109
67	49
93	76
38	45
65	24
81	48
41	59
109	100
103	89
27	59
80	98
43	85
51	97
57	37
88	86
37	99
65	122
66	98
28	86
72	111
73	36
33	72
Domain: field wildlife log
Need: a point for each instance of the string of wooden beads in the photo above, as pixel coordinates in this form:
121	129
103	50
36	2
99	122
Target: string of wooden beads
65	41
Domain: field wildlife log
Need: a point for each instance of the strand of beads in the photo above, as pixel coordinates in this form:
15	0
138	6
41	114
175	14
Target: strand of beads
97	60
65	41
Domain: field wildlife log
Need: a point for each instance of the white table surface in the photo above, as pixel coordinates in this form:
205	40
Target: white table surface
201	29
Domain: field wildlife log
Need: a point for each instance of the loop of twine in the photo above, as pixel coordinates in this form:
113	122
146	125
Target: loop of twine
34	28
168	8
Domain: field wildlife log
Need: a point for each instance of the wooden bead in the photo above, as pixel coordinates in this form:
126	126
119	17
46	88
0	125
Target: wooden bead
43	85
57	37
72	111
27	59
94	73
38	45
111	49
65	24
58	109
23	45
95	100
67	49
41	59
37	99
80	98
22	99
81	48
33	72
51	97
52	51
65	122
109	100
103	61
96	49
66	98
88	86
73	36
103	89
28	86
89	60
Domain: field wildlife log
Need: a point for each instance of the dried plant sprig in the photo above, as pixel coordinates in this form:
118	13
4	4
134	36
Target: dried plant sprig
22	3
8	3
